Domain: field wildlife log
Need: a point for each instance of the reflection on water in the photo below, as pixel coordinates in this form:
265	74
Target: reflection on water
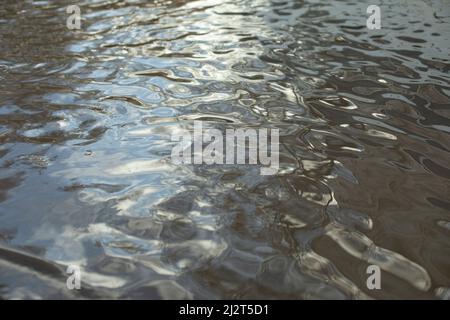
86	119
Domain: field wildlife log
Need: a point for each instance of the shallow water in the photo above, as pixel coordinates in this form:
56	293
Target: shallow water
86	177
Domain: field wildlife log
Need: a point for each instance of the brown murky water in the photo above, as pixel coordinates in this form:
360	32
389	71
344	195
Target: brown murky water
86	119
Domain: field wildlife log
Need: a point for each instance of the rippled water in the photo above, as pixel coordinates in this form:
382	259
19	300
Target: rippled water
86	178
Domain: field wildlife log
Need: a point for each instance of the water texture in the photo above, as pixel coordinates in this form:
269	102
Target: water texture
86	177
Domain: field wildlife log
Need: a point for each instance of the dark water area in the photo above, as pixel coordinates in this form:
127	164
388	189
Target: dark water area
86	178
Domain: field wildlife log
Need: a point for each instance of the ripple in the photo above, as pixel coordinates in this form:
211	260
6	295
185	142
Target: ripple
86	120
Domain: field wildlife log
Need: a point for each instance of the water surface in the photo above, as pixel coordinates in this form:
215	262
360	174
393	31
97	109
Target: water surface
86	178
